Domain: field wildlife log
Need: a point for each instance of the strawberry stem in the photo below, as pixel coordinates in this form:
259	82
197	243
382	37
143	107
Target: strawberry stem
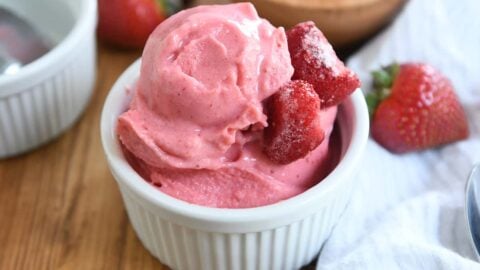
382	84
372	100
168	7
381	79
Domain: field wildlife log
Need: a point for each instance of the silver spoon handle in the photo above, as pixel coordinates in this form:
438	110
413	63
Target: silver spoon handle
473	207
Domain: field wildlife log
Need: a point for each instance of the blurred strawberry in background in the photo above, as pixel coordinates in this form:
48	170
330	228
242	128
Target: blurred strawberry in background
128	23
414	107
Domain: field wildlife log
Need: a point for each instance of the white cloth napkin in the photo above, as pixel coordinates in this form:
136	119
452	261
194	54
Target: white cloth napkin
408	210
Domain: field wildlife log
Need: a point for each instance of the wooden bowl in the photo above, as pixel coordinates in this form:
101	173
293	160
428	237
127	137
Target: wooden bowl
343	22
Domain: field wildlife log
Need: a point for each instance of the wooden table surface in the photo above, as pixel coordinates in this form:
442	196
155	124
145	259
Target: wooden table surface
60	207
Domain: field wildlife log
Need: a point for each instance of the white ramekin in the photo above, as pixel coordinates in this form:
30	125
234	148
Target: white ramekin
285	235
46	96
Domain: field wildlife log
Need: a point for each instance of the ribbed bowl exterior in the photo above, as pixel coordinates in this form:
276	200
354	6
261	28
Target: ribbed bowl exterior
43	110
284	235
181	246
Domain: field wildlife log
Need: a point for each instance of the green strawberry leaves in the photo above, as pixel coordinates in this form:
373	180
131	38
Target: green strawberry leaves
382	83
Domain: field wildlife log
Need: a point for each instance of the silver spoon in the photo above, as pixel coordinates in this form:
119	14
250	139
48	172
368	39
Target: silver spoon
472	207
20	43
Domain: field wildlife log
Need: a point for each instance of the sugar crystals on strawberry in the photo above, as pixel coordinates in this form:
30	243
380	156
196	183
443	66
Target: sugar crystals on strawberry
293	123
315	61
320	80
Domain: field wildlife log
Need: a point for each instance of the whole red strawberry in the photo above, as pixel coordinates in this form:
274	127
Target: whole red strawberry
415	107
315	61
128	23
293	123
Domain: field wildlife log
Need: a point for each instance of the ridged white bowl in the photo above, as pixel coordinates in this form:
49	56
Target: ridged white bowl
46	96
285	235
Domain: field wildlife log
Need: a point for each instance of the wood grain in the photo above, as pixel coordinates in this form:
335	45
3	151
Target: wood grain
60	207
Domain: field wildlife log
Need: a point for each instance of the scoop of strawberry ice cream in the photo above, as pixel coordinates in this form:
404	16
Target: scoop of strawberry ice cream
204	74
194	126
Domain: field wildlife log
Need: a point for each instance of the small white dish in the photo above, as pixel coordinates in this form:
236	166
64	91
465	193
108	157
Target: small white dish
46	96
284	235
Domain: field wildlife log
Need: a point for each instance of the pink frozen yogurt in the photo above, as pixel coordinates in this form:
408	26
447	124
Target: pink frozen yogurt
194	127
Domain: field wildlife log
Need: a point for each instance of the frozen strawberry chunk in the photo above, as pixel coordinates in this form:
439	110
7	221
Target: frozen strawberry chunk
315	61
293	123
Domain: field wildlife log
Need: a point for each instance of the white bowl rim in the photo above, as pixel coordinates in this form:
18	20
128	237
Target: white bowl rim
47	64
266	213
